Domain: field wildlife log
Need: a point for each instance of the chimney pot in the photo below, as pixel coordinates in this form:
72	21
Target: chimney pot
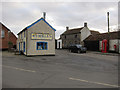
44	15
85	24
67	28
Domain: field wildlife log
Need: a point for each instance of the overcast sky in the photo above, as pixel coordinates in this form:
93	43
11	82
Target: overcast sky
17	15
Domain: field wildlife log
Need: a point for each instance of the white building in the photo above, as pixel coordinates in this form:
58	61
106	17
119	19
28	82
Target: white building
37	39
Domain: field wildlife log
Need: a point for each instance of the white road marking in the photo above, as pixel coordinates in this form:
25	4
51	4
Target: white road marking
21	69
105	84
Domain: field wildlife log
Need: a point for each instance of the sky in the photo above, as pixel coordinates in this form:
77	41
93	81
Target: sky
18	14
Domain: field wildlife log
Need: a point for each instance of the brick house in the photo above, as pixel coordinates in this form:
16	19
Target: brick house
76	35
7	38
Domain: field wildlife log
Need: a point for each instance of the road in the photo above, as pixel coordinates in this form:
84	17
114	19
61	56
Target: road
64	70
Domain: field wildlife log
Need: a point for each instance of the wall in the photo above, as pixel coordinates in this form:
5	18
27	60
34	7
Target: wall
111	45
9	37
59	42
40	27
70	39
21	39
100	45
13	38
85	32
119	45
4	40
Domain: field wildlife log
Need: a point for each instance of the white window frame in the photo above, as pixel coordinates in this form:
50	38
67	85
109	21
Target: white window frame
2	33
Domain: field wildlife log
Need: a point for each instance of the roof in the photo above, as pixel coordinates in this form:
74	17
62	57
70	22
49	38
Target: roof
94	32
98	37
73	31
35	23
77	30
4	26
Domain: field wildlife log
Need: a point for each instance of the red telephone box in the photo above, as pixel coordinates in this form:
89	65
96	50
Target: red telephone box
104	46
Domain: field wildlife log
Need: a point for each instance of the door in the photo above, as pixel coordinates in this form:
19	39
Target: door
59	45
24	46
19	47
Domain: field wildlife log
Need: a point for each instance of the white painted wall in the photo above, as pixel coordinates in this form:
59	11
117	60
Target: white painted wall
100	45
112	43
85	32
59	41
119	45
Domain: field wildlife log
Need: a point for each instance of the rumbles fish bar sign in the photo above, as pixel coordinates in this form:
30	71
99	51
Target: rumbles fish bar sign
41	36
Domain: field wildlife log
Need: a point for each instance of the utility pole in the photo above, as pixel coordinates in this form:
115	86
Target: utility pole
108	31
108	22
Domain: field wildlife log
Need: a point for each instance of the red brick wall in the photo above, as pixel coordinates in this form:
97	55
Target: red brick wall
13	38
4	41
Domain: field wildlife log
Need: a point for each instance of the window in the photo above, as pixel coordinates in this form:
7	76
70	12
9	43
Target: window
42	45
2	33
21	35
65	36
24	46
24	33
75	36
75	42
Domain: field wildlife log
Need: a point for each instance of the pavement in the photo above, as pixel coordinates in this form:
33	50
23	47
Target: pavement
64	70
97	52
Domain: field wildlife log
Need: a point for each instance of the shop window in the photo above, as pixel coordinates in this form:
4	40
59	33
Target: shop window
42	45
2	33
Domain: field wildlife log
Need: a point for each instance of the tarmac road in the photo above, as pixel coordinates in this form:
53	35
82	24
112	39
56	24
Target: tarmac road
64	70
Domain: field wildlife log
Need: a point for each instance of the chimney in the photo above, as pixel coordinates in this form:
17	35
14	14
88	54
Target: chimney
85	24
44	15
67	28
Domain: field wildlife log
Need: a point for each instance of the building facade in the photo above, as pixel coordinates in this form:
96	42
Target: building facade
37	39
7	38
112	41
75	36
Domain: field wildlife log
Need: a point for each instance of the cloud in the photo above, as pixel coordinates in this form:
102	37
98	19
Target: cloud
18	15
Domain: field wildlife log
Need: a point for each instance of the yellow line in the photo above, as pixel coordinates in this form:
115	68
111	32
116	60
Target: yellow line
21	69
105	84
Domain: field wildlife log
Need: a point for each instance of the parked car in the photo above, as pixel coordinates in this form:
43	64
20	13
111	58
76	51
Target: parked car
77	48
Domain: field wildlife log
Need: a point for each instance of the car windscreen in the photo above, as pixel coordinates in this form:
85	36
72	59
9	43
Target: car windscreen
79	46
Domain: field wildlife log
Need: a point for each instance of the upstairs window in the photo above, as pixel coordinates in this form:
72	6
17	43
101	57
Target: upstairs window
24	33
75	36
2	33
65	36
21	35
42	45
